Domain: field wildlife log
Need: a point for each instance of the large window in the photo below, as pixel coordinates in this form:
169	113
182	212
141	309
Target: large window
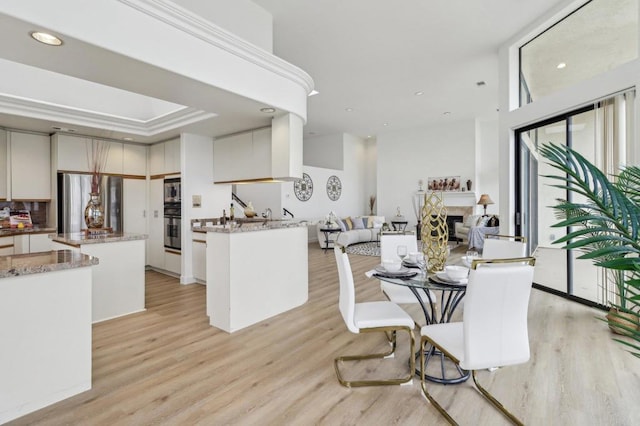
600	132
598	37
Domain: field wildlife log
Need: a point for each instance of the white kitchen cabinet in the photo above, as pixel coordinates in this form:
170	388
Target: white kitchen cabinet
114	158
31	243
6	246
172	156
30	164
155	252
261	151
134	206
232	157
156	159
39	242
71	153
134	160
172	261
3	165
199	256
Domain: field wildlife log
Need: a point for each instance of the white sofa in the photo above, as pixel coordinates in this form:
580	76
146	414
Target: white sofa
347	236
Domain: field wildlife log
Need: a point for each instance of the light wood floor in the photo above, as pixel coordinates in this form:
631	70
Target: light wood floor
168	366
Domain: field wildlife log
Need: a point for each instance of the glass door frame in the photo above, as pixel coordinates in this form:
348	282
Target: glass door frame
518	193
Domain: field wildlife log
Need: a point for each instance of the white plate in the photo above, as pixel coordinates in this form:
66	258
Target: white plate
444	277
401	271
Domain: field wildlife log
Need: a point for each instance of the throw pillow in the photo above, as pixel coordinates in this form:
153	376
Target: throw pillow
370	221
482	221
377	222
348	223
493	221
358	223
342	225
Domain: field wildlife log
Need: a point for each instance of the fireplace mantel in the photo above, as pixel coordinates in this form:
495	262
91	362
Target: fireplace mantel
459	199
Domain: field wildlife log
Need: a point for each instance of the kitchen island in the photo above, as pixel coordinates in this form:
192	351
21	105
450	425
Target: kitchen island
118	281
45	328
255	271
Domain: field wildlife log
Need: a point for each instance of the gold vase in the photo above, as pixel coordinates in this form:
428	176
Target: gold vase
435	231
94	212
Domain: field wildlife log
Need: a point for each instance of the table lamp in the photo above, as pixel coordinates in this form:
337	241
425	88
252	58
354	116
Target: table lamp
484	201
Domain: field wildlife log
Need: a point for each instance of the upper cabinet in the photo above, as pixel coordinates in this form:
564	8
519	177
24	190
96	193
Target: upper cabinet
245	156
269	153
30	166
134	160
71	155
164	158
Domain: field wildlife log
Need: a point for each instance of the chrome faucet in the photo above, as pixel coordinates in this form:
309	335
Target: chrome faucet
267	213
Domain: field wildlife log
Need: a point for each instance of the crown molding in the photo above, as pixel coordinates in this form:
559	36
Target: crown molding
196	26
47	111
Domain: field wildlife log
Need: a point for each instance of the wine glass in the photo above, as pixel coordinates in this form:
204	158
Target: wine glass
421	263
471	254
402	252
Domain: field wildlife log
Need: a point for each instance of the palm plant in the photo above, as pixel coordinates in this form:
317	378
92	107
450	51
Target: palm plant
604	227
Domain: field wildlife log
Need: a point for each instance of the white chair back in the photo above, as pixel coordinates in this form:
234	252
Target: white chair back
389	244
347	297
495	316
503	249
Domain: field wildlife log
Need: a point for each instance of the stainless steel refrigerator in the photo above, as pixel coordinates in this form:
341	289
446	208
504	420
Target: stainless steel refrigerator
73	196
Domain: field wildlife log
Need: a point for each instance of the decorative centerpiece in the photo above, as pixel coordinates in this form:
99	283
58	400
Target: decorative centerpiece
331	220
435	232
97	154
249	211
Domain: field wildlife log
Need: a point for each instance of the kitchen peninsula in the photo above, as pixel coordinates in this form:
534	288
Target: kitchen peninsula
118	280
45	324
255	271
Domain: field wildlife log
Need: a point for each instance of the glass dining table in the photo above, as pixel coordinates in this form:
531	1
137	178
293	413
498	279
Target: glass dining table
439	309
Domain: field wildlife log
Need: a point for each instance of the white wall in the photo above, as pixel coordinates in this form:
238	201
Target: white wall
261	196
487	163
241	17
324	151
405	157
197	179
568	99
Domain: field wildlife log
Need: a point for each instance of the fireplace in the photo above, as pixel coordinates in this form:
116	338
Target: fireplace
451	223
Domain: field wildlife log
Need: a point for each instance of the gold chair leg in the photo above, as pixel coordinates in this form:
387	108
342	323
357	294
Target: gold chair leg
495	402
423	383
398	381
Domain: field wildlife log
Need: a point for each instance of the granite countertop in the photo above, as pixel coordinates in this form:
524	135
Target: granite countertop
262	225
9	232
47	261
77	239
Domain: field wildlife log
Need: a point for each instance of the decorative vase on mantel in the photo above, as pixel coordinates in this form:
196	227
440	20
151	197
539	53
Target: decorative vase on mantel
94	212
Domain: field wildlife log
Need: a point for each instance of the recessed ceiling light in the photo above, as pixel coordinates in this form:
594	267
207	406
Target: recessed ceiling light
561	65
268	110
481	83
127	139
348	109
46	38
446	113
419	93
313	93
385	124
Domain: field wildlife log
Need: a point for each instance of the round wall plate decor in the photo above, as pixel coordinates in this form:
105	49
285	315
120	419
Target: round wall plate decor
303	187
334	188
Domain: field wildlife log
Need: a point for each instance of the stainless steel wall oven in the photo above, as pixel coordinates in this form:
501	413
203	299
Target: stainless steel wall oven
172	214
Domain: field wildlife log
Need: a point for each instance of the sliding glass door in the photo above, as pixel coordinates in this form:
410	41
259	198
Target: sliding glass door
599	132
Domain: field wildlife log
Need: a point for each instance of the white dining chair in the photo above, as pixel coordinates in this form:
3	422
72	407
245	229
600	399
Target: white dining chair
382	316
493	332
504	247
394	292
